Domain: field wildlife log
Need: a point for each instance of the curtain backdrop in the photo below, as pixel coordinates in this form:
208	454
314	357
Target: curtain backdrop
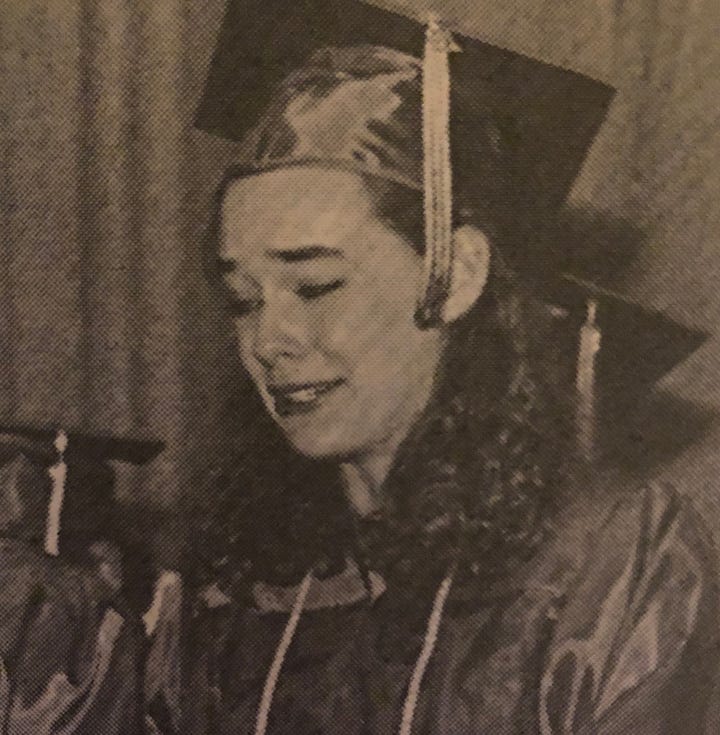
101	206
104	190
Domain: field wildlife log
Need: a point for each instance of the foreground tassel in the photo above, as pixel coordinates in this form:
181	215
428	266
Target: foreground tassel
58	475
263	716
428	648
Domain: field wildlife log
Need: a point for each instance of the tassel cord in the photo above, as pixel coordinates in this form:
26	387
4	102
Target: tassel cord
280	654
428	648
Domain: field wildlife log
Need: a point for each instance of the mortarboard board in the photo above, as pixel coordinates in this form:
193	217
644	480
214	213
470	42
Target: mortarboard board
344	83
550	115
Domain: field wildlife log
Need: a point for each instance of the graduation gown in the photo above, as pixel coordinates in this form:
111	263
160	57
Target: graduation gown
609	629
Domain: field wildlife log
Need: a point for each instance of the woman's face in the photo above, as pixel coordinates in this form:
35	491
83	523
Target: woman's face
323	295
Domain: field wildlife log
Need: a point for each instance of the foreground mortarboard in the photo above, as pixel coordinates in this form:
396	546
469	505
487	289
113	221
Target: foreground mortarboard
343	83
38	441
48	473
549	115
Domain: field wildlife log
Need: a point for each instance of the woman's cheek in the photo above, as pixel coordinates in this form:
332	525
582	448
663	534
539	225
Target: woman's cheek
339	319
245	341
376	346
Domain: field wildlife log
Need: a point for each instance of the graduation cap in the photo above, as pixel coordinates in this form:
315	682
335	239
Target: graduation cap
343	83
347	84
53	473
617	351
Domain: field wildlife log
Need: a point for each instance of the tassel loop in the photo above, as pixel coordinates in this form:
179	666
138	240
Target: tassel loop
439	37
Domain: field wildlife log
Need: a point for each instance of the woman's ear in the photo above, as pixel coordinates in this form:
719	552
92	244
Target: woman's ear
471	267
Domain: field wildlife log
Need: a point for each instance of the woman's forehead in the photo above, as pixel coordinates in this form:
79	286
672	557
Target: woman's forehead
294	190
294	208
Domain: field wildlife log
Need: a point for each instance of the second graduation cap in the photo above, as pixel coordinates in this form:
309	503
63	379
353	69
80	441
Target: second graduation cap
39	441
615	351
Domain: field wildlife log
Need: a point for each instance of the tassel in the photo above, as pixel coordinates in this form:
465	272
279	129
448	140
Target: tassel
58	475
162	623
590	341
437	173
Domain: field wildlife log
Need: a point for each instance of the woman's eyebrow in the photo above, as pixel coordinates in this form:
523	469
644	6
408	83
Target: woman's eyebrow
226	265
309	252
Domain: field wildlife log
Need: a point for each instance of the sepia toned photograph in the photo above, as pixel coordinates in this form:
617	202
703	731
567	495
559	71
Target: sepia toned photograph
359	367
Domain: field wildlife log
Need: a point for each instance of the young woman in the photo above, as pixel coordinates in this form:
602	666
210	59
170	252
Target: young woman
405	544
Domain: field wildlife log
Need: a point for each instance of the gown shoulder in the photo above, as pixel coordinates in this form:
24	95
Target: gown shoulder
635	641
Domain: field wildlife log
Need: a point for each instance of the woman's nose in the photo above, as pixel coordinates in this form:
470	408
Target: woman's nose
279	333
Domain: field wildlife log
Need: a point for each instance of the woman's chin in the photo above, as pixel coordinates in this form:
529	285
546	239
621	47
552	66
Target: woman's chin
316	446
321	441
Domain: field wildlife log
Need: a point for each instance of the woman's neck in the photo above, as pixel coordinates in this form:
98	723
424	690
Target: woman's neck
364	476
363	482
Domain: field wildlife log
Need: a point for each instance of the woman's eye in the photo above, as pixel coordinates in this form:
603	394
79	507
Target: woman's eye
243	307
316	290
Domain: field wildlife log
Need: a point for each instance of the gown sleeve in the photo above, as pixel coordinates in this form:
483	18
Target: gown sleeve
68	655
635	644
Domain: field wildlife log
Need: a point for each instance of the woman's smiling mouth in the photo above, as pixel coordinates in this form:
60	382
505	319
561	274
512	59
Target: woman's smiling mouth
299	398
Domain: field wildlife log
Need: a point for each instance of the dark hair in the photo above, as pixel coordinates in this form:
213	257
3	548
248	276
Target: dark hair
488	455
